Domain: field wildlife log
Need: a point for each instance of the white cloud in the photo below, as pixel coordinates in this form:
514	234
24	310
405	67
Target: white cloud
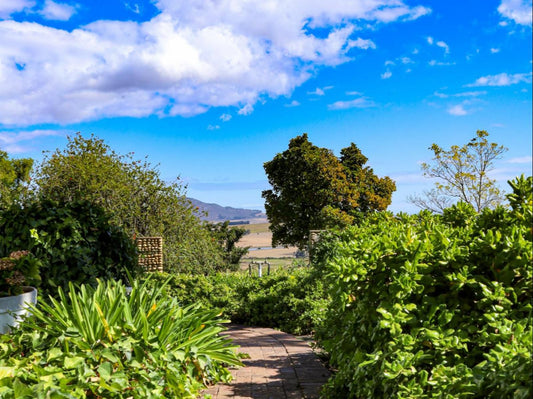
8	7
457	110
190	57
494	50
443	45
520	160
246	110
430	40
213	127
463	94
57	11
406	60
387	63
440	63
354	93
225	117
317	92
502	79
386	75
293	103
361	102
16	142
517	10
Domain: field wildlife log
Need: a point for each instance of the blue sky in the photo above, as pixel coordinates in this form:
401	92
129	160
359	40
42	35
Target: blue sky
210	90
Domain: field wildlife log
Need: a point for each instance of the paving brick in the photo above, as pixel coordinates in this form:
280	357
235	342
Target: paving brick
280	366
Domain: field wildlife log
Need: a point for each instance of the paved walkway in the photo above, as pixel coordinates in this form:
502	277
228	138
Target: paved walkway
281	366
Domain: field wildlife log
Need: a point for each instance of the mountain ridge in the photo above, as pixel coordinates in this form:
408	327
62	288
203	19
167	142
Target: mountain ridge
219	213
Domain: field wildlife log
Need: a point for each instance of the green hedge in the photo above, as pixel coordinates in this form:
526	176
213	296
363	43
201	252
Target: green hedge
291	300
75	242
432	306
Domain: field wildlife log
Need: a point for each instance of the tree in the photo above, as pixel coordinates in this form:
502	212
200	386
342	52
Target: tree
14	177
227	237
133	192
462	174
312	189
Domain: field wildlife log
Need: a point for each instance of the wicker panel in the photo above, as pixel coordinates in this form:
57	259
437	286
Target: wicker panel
150	253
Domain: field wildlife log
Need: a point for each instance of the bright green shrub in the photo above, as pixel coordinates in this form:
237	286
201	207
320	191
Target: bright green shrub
293	301
104	343
75	242
432	307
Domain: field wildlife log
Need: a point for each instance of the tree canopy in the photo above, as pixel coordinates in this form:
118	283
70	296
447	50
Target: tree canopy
462	174
134	193
14	177
312	189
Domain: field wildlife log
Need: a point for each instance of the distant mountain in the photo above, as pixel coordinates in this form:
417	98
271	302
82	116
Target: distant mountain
218	213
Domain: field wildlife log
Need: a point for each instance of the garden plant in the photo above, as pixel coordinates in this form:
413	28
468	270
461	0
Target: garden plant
430	306
105	343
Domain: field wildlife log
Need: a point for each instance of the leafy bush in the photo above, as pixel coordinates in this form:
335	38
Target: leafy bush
104	343
293	301
432	307
137	198
75	242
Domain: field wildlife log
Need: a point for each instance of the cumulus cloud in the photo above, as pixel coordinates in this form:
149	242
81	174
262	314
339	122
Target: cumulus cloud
502	79
386	75
361	102
188	58
57	11
225	117
518	11
8	7
494	50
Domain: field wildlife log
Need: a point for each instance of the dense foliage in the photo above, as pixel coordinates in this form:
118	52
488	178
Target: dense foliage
462	174
431	306
104	343
291	300
74	242
14	179
133	192
312	189
227	237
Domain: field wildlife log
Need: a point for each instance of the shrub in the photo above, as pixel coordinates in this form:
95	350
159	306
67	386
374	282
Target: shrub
75	242
427	307
103	343
291	300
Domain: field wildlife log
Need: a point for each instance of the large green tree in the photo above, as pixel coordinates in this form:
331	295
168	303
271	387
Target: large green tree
14	179
462	174
312	189
134	193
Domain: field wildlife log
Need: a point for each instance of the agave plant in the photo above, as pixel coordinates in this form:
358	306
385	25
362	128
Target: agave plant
104	342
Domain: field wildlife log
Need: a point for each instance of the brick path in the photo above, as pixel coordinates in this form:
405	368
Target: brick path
281	366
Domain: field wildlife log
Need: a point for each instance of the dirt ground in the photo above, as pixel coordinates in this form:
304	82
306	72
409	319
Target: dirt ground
260	242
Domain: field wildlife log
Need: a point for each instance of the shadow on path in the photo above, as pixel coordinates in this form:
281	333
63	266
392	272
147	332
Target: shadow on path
281	366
